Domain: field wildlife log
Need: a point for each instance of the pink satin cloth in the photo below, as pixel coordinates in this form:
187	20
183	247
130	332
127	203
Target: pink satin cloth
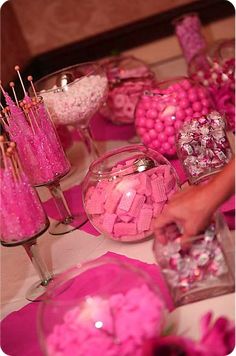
19	329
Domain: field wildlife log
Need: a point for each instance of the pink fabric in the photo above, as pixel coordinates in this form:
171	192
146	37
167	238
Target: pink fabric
18	329
103	130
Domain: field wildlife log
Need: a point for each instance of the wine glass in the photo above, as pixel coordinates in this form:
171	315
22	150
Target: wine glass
89	308
22	216
73	95
28	123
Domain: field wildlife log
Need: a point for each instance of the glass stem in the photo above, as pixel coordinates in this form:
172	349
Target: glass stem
87	138
31	249
60	201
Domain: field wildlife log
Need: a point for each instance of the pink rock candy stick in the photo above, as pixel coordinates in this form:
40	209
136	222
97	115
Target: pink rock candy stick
21	212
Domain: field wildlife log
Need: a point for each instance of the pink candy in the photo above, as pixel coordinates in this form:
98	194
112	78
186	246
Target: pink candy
160	113
117	325
125	208
203	147
39	148
128	77
188	31
21	213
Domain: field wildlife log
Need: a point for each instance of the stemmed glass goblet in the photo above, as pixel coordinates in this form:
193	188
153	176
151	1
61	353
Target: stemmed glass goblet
73	95
43	159
22	216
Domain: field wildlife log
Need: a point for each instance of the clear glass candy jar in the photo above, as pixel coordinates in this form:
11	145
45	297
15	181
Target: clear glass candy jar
125	191
86	312
128	77
203	147
202	267
160	112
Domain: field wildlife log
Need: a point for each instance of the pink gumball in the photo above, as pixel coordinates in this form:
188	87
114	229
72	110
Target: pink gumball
159	127
150	123
206	102
162	137
171	140
180	114
153	133
169	130
171	151
166	146
151	114
178	125
141	121
146	138
156	144
197	106
184	103
189	111
140	112
196	114
186	84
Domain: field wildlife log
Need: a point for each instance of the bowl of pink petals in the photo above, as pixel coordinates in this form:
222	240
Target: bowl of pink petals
103	307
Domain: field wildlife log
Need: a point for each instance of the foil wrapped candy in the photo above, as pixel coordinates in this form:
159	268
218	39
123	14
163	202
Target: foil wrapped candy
202	146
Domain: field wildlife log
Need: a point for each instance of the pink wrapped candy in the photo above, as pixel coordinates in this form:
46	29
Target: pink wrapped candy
217	73
203	147
199	269
128	77
161	112
123	199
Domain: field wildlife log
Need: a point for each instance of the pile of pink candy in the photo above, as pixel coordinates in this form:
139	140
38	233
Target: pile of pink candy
21	213
196	265
128	77
220	81
126	207
40	150
160	113
122	100
203	147
118	325
188	31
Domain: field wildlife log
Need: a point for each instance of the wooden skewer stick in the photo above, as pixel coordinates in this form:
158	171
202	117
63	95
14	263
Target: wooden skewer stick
12	84
2	89
17	68
30	79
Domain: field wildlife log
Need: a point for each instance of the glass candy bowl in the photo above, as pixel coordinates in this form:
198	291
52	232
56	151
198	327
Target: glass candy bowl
160	112
73	95
203	147
87	312
125	191
199	268
128	77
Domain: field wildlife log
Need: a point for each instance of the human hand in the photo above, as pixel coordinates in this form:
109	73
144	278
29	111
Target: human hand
190	209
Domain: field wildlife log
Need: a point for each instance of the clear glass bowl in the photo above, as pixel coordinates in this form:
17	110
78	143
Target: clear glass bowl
161	112
74	94
203	147
128	77
125	191
200	268
86	312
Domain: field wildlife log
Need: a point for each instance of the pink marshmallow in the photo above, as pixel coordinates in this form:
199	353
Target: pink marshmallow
136	205
108	221
127	199
113	201
122	229
158	190
144	220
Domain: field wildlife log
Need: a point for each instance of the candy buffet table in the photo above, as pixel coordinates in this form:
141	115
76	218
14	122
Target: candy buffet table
60	253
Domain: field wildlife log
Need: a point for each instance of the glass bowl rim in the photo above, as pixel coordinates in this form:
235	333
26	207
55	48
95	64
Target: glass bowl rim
97	64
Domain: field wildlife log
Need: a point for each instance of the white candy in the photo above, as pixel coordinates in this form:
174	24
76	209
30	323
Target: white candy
77	102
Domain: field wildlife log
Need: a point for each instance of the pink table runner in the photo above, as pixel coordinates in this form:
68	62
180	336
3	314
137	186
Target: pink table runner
18	329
